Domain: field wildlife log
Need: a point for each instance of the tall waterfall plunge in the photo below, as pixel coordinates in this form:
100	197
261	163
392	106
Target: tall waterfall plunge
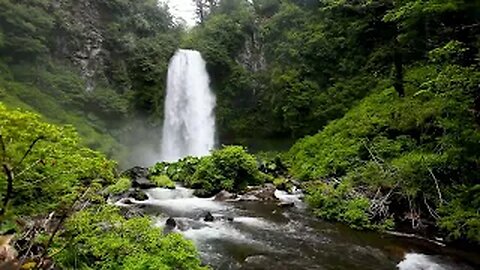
189	125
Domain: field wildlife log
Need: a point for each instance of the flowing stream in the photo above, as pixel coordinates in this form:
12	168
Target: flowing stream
260	235
189	124
265	236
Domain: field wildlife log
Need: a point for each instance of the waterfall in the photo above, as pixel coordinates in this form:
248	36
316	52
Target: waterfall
189	124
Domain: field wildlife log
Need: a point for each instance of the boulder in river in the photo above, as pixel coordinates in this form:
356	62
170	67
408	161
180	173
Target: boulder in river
139	175
260	193
138	195
259	262
224	196
209	217
202	193
170	225
126	201
171	222
286	204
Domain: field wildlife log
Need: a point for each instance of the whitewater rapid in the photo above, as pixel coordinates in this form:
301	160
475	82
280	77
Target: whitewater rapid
262	235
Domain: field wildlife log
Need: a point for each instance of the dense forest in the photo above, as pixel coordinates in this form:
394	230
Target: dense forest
382	99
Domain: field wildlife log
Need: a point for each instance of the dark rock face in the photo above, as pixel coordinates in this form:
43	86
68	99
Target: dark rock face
139	175
87	51
224	196
209	217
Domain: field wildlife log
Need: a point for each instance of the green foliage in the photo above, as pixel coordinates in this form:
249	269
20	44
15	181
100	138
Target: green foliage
230	168
341	203
50	171
92	131
460	218
180	171
55	171
271	163
102	239
45	56
25	28
415	145
122	185
162	181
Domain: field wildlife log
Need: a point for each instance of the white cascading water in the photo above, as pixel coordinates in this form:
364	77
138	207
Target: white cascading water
189	125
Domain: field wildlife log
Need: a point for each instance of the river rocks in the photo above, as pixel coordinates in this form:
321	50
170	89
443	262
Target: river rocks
259	262
225	196
138	195
209	217
260	193
171	222
127	201
170	225
286	204
139	175
202	193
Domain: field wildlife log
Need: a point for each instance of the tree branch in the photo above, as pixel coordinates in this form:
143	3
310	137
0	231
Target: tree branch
59	224
29	150
4	150
9	174
436	185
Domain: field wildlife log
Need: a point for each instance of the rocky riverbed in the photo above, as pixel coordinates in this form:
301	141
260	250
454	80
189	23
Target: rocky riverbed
265	228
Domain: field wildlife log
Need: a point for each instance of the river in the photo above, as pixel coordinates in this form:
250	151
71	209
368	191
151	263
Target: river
265	236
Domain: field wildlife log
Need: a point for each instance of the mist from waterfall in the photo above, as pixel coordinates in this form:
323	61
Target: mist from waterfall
189	124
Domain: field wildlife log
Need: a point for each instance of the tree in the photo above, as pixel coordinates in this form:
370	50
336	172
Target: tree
204	7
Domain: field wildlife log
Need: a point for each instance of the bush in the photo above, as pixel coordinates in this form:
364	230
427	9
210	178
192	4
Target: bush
162	181
460	218
103	239
121	186
180	171
55	170
341	203
230	168
415	145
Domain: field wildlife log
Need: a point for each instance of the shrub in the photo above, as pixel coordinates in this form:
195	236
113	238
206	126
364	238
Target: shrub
460	218
422	145
230	168
341	203
54	171
121	186
162	181
102	239
180	171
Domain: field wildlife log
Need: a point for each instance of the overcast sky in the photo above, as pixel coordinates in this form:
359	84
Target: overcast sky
184	9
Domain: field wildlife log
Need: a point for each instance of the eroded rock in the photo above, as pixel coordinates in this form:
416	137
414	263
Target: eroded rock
139	177
260	193
225	196
209	217
138	195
